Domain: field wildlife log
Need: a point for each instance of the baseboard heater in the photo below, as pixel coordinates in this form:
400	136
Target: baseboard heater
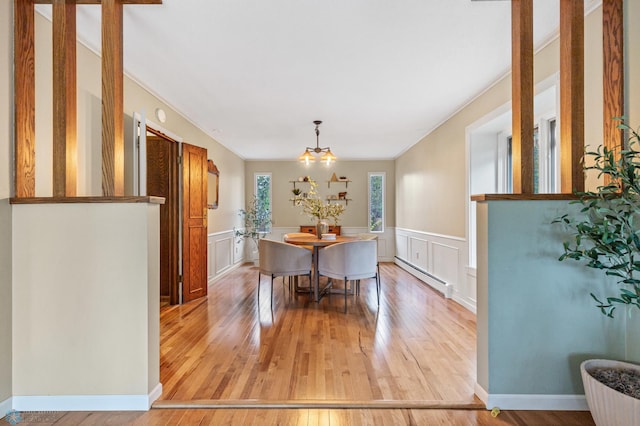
433	281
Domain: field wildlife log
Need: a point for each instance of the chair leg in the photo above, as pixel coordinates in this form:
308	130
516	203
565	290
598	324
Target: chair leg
345	294
272	291
258	290
378	288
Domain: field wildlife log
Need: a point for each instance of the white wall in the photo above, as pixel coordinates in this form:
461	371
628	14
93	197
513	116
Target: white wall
86	281
6	142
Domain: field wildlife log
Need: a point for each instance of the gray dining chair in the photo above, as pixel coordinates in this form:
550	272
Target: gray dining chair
350	261
278	259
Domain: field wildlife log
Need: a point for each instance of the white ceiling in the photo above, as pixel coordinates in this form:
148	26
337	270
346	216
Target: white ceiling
254	74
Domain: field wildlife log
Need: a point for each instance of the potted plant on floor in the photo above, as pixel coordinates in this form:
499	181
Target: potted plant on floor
605	235
256	219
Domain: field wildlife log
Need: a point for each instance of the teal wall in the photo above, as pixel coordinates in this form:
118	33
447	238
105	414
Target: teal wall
536	320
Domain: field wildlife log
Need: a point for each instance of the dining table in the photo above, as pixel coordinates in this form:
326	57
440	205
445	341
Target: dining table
317	244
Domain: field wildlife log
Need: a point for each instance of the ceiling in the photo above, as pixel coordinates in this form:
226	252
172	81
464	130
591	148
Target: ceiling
255	74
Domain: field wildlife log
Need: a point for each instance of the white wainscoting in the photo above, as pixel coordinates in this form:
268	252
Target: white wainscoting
438	260
386	246
223	254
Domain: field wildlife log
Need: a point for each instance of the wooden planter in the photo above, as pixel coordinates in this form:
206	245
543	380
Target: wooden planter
608	406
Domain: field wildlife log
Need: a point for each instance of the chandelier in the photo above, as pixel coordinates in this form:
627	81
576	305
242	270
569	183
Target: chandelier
308	155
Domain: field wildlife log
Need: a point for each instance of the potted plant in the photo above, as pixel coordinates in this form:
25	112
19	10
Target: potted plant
605	235
320	210
256	220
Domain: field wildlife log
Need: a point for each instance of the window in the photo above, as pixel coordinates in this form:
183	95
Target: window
376	202
545	159
262	192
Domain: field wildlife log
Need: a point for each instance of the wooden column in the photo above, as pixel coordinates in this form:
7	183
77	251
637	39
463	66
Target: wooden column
25	98
571	95
613	73
112	100
522	95
65	155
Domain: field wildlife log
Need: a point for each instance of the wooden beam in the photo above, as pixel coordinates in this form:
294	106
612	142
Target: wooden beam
65	156
522	95
613	73
25	98
100	1
112	100
571	95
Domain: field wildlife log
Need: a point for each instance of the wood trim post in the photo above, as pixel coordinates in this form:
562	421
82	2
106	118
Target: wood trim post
65	157
112	99
613	73
571	95
522	95
24	98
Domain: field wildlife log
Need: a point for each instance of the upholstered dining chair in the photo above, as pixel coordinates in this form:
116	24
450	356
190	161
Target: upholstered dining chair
350	261
279	259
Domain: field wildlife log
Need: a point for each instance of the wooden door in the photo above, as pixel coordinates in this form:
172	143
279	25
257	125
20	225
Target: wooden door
162	181
194	222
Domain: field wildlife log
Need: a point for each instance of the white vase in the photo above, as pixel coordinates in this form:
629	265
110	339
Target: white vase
608	406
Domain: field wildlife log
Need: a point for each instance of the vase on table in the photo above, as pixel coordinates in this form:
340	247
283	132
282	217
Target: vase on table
322	227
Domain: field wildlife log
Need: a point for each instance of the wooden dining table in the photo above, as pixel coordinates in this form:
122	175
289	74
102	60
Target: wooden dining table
317	244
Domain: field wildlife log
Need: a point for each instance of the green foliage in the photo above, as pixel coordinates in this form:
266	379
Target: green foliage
256	219
316	208
375	203
605	234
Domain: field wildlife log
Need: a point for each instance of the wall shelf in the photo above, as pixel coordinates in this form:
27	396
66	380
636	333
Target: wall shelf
346	182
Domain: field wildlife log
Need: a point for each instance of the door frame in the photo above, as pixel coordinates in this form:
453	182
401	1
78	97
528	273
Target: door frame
141	127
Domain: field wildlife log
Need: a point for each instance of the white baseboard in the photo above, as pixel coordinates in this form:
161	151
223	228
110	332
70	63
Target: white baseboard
445	289
532	402
5	407
87	402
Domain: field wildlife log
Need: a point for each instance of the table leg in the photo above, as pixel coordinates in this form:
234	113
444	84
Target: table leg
316	275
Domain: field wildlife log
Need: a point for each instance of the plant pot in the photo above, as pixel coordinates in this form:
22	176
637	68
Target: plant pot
607	405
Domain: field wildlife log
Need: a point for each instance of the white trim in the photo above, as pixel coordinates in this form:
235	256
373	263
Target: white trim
532	401
448	237
5	406
87	402
445	288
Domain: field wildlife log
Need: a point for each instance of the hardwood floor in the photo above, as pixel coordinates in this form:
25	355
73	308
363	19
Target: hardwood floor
306	417
311	364
415	347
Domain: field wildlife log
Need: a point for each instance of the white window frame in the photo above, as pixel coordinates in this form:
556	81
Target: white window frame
383	188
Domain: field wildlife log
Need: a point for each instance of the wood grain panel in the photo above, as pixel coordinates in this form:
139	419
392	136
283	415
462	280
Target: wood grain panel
162	181
571	95
112	99
522	95
194	222
321	417
613	74
25	99
65	157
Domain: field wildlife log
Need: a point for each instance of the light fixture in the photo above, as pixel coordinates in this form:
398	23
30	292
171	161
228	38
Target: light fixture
308	155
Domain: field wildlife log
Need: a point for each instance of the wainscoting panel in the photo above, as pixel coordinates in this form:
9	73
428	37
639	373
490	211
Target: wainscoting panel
445	261
223	253
438	260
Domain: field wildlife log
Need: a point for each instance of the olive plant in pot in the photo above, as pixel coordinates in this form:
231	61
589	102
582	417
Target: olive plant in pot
256	219
605	235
